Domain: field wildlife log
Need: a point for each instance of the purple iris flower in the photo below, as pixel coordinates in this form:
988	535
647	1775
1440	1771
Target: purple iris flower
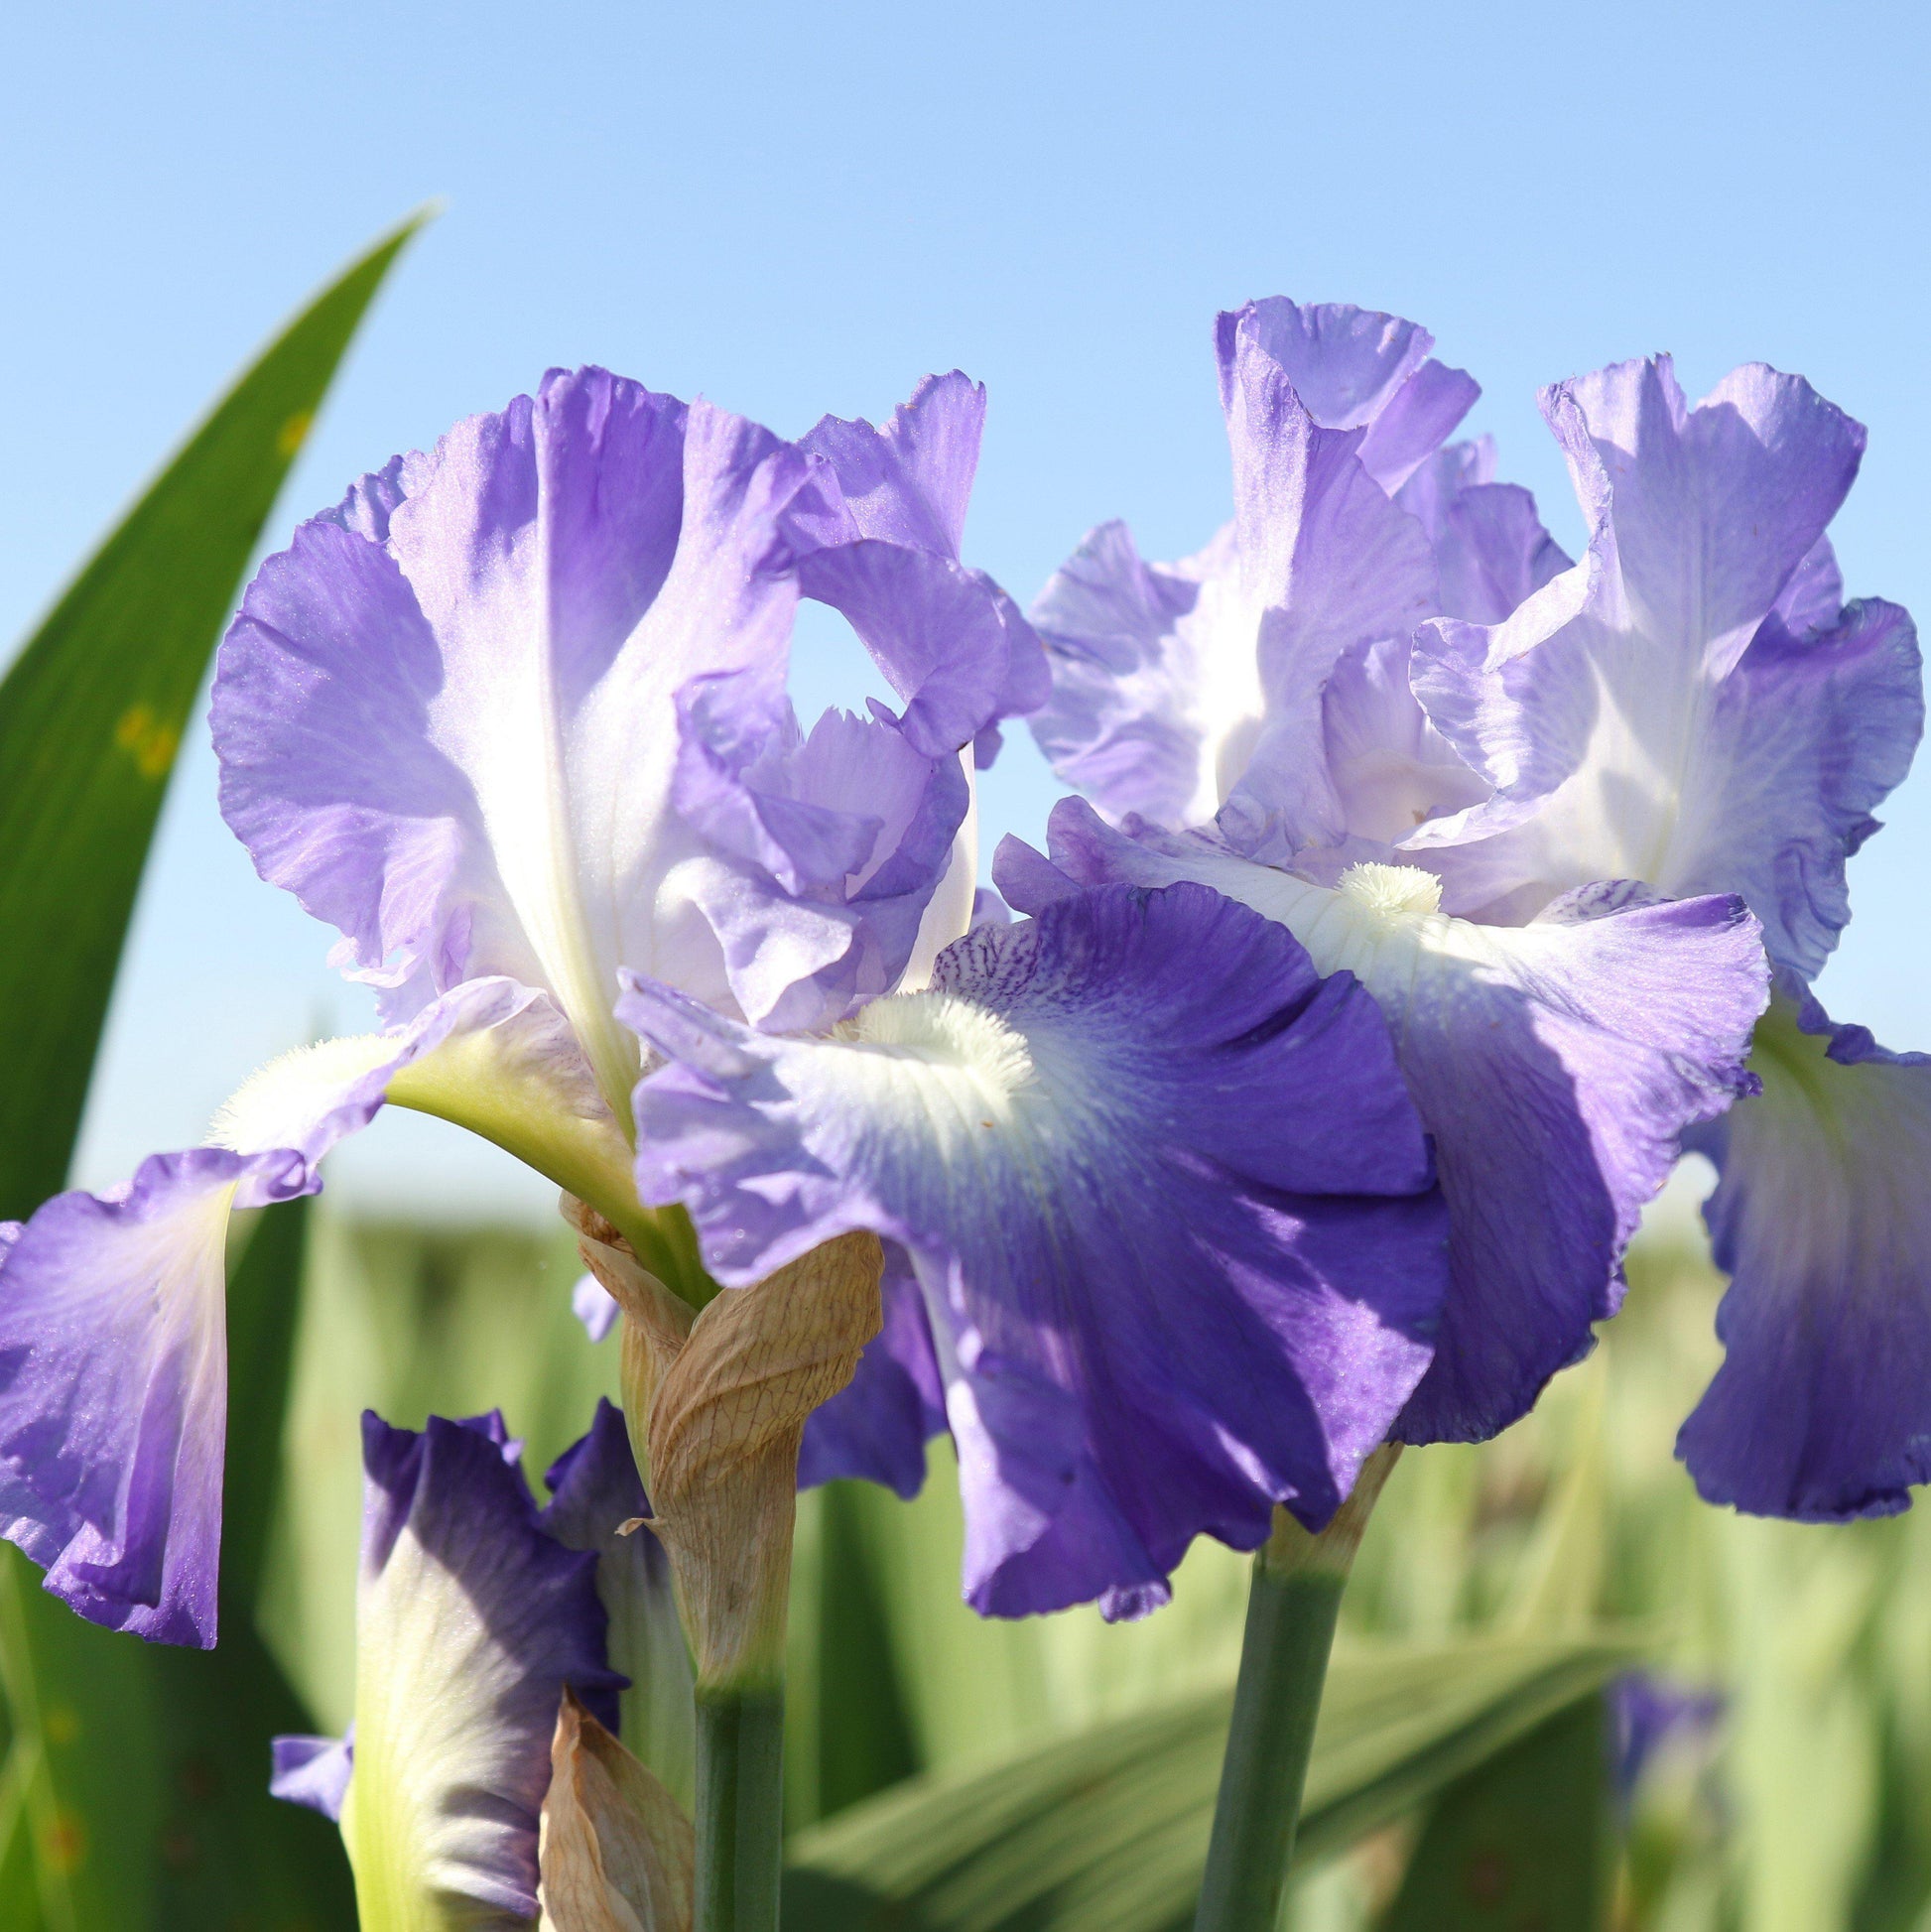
1166	1243
1695	705
470	1621
1263	719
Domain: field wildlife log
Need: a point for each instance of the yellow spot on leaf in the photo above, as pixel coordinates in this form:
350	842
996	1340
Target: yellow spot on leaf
64	1844
294	432
147	740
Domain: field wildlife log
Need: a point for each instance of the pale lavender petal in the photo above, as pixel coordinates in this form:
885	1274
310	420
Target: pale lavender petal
113	1354
594	1305
470	1621
1678	708
1330	564
313	1771
1218	1295
1490	549
433	739
1822	1408
1555	1065
825	850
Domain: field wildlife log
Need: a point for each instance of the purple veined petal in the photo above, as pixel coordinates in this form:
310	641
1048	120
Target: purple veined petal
438	742
469	1623
313	1771
596	1503
113	1353
1822	1408
1556	1065
878	1424
1678	708
826	850
1169	1210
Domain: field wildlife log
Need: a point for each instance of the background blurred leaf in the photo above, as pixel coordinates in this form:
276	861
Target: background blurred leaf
91	717
131	1769
1522	1845
1106	1830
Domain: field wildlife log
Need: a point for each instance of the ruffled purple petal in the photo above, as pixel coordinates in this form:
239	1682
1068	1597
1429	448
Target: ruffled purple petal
433	739
1170	1212
826	850
1555	1066
1490	549
1822	1408
878	1424
113	1353
470	1621
1680	708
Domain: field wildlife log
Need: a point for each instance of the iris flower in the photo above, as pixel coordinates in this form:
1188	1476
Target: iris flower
1164	1240
473	1617
1320	716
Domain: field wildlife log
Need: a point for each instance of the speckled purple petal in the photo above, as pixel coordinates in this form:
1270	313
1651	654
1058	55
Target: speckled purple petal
1167	1202
1555	1065
113	1354
1661	712
470	1621
1822	1408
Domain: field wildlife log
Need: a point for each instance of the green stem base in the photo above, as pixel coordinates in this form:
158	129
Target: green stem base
741	1807
1283	1665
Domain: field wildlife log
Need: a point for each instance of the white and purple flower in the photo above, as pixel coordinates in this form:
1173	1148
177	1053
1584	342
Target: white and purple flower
1533	824
512	718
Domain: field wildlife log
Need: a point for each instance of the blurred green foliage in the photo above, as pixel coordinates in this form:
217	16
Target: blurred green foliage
1807	1812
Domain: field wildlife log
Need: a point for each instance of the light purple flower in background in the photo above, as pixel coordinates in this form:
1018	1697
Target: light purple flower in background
1694	706
470	1621
1249	719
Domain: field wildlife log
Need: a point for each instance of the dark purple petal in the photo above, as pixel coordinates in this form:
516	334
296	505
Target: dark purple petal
1555	1066
470	1621
878	1424
1170	1212
1822	1408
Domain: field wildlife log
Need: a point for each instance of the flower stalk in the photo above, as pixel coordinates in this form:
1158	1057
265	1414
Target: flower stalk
1292	1607
716	1404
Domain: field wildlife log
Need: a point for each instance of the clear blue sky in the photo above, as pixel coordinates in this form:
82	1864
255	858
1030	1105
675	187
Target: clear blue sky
796	210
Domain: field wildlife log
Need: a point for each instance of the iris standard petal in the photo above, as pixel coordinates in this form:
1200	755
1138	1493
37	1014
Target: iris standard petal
1822	1408
1678	708
1554	1064
469	1623
1169	1208
433	739
313	1771
1490	549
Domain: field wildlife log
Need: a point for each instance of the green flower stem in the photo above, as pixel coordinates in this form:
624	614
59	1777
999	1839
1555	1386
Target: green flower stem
1295	1599
740	1806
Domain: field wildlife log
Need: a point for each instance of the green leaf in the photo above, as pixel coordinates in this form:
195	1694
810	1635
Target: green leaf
1105	1831
134	1771
91	717
1524	1844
